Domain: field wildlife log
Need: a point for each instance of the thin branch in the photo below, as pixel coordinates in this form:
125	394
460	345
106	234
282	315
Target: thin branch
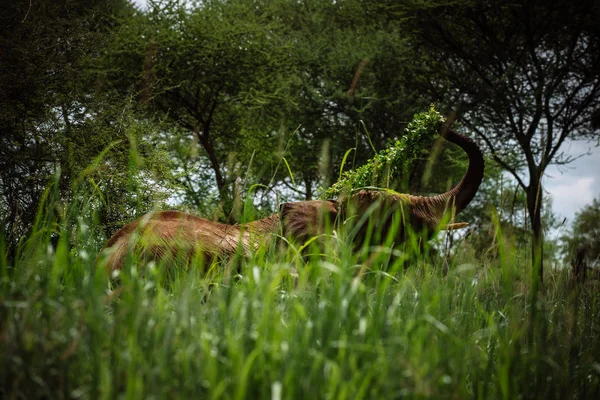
497	159
460	51
292	188
210	116
27	13
569	158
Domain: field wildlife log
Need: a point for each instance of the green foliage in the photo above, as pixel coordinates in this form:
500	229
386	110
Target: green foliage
50	117
211	72
584	234
331	40
134	174
393	161
241	81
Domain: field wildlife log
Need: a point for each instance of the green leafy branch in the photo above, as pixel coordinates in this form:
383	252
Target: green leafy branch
393	161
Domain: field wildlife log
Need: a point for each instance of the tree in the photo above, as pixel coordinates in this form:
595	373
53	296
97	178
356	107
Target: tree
499	213
525	77
48	122
252	81
584	234
213	71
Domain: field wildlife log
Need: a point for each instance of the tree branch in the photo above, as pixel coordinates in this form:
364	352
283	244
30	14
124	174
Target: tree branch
497	159
292	187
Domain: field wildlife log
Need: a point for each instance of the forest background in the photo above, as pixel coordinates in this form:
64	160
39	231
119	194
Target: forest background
222	100
225	109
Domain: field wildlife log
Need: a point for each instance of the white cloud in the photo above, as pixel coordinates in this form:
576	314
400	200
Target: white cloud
570	193
142	4
577	184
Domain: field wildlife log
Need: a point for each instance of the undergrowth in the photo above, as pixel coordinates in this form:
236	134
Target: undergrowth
407	326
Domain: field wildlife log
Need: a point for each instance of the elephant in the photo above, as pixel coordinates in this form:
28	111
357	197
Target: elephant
164	234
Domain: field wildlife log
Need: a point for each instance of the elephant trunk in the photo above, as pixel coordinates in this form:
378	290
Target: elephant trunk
462	194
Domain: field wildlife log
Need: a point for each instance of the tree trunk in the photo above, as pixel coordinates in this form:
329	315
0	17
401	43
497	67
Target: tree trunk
214	163
207	145
534	207
308	188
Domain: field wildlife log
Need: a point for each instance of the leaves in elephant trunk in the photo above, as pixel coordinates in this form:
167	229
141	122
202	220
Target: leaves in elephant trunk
392	162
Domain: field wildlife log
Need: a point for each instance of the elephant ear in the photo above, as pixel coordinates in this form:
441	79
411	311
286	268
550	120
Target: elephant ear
305	219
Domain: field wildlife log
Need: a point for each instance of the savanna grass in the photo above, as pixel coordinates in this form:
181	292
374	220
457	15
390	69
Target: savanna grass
401	328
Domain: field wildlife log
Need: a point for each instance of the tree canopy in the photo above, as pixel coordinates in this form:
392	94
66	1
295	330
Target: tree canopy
199	104
56	117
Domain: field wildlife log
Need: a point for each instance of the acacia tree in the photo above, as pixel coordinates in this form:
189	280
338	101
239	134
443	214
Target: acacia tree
525	77
50	121
212	70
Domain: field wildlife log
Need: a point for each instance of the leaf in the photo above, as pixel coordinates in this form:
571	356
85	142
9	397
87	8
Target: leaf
289	170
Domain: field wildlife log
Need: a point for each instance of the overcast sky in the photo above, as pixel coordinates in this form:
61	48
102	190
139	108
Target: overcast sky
576	184
572	186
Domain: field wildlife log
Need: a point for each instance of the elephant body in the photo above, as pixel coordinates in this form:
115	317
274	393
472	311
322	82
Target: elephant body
175	234
372	215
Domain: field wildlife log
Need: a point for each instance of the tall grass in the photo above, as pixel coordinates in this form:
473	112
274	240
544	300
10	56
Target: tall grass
67	331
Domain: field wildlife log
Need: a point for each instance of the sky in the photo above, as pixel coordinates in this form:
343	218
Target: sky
571	187
576	184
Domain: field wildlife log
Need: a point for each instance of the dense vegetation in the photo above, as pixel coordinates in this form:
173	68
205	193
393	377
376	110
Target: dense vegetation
468	329
228	108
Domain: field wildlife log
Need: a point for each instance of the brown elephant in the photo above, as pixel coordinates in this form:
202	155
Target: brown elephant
373	214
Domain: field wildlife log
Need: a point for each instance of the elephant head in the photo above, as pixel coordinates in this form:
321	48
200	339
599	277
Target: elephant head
173	234
374	215
420	214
